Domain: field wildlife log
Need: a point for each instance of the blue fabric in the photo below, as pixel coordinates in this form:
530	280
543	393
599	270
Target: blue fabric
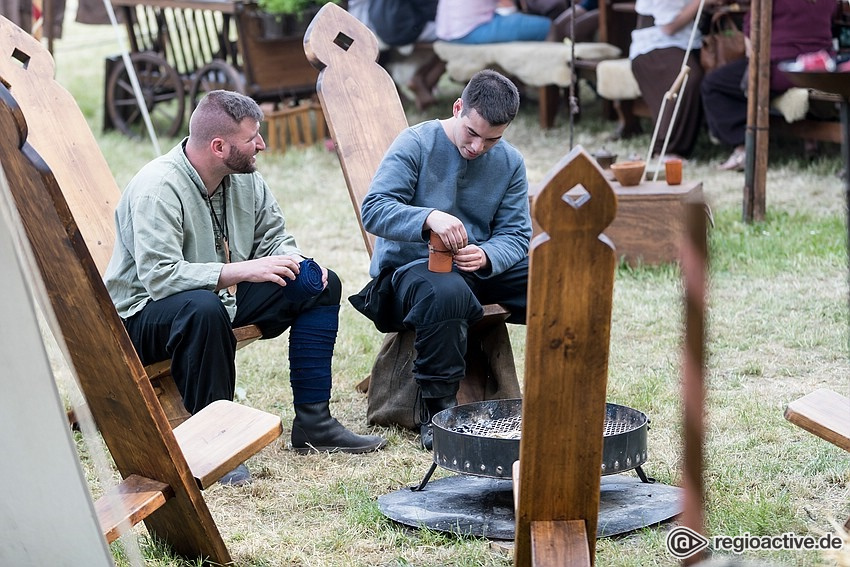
307	284
311	346
511	27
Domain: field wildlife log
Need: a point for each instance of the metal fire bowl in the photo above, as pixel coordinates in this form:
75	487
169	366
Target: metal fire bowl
482	438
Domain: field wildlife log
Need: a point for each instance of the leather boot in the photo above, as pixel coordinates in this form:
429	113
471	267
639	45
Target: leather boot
240	476
431	407
315	431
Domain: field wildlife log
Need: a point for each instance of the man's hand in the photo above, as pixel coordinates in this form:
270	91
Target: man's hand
470	258
450	228
275	269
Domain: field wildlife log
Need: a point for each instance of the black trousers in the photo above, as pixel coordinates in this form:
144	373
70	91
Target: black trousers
193	329
439	307
725	102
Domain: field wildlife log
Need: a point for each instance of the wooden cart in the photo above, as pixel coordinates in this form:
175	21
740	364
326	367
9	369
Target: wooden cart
181	49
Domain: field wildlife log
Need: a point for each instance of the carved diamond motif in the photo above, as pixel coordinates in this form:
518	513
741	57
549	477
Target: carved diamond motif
576	197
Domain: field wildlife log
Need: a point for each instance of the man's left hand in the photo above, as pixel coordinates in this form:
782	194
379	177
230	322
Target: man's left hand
470	258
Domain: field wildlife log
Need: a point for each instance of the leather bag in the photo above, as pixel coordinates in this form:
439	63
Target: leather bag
723	43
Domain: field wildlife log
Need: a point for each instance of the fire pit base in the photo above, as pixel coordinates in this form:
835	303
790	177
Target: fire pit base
483	507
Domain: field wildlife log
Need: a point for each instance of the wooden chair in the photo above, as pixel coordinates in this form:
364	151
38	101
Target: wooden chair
557	479
163	469
60	134
824	413
364	116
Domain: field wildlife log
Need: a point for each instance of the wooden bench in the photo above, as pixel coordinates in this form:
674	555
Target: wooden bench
824	413
364	116
163	469
789	111
544	65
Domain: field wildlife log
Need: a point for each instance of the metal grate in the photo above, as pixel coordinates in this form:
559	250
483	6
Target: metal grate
500	428
509	427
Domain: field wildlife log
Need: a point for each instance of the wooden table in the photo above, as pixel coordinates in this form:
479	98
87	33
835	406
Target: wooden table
650	220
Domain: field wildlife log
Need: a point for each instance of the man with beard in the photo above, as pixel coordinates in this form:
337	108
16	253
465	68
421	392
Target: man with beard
201	248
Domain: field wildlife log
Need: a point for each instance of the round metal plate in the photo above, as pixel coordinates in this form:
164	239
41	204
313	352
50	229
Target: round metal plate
483	507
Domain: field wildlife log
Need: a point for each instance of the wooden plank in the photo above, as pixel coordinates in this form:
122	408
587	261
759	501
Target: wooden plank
823	413
559	543
221	436
128	503
565	382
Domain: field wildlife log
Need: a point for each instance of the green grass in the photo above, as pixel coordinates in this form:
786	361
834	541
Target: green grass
777	328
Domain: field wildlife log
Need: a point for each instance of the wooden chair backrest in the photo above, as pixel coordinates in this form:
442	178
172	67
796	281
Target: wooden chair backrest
62	137
359	99
568	334
58	131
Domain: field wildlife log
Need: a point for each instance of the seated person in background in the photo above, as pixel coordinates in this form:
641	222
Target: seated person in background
492	21
457	178
561	13
399	24
657	53
191	225
799	26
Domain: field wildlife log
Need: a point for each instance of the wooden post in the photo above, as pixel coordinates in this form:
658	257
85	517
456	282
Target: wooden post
758	105
694	258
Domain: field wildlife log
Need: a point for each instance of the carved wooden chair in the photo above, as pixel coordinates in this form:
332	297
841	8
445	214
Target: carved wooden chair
163	469
364	116
557	479
60	134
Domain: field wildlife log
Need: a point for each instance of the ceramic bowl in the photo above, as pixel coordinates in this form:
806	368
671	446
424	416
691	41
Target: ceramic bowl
628	173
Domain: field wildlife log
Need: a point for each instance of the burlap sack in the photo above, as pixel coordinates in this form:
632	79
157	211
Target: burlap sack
392	393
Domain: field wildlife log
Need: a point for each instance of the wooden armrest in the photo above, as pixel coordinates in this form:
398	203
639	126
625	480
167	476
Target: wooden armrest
221	436
131	501
555	543
824	413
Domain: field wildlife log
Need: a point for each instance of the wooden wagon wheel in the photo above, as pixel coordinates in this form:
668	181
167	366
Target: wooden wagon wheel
215	75
162	90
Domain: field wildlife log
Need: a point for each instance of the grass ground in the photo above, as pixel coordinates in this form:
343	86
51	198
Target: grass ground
777	328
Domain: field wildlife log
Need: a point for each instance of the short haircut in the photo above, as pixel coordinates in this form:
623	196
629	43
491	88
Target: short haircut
219	114
493	96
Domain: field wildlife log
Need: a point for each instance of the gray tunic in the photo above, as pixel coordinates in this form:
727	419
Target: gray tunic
423	171
165	241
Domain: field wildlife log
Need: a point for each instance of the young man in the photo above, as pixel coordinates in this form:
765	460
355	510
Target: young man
456	178
201	248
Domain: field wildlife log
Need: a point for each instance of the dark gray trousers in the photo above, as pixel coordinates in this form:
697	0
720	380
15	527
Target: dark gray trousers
440	307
